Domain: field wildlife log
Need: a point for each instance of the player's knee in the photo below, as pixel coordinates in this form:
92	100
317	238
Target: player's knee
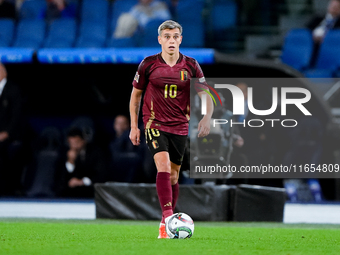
163	167
173	177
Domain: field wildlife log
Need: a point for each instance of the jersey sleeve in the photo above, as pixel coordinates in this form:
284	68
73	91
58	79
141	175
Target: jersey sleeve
200	82
140	81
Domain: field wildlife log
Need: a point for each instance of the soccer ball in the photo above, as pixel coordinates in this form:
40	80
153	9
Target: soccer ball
179	226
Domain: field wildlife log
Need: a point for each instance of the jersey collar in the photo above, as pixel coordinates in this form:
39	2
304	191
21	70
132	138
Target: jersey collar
163	61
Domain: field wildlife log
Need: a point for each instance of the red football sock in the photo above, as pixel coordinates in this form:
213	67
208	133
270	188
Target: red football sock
175	192
164	192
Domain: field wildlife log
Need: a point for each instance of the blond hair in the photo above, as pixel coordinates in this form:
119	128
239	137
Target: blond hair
169	24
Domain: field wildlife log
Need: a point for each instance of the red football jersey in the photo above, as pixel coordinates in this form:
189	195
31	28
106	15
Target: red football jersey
166	104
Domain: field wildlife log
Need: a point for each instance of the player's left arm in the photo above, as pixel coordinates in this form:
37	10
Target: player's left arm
204	124
135	101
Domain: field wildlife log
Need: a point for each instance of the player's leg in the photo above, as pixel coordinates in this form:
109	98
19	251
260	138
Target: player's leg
167	187
174	183
177	145
158	145
163	183
164	188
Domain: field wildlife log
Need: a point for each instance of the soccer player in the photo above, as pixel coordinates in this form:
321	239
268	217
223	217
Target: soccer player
165	78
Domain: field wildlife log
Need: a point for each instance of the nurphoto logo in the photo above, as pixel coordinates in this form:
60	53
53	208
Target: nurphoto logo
239	104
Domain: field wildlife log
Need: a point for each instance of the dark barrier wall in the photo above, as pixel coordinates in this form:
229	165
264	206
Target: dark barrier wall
140	201
257	203
201	202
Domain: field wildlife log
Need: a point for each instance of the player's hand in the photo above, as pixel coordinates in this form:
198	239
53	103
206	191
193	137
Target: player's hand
238	141
72	156
135	136
3	136
204	127
75	182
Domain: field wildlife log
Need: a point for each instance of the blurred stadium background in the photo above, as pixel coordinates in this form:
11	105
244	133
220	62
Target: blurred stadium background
73	68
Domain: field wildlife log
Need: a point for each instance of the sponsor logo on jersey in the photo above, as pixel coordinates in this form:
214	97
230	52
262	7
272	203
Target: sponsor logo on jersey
136	77
168	204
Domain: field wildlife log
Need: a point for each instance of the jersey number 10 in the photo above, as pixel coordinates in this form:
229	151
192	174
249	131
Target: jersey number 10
171	91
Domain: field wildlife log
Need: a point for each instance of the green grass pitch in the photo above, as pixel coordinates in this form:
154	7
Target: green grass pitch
34	236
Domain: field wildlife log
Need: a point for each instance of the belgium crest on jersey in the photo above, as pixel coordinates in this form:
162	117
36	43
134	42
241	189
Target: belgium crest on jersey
184	75
155	144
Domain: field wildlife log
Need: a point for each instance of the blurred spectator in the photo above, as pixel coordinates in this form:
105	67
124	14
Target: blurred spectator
38	179
7	9
86	125
59	9
139	16
126	159
120	125
11	132
81	166
18	4
320	25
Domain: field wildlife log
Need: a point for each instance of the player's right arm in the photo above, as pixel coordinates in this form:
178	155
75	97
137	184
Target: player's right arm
135	101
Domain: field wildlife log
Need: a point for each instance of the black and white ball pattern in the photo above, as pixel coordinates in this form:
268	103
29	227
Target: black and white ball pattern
179	226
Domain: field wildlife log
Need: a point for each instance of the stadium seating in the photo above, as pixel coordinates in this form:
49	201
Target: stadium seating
117	8
298	49
92	34
94	10
221	25
193	35
224	15
95	26
61	34
30	34
121	42
150	33
189	15
187	10
7	27
32	9
328	57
